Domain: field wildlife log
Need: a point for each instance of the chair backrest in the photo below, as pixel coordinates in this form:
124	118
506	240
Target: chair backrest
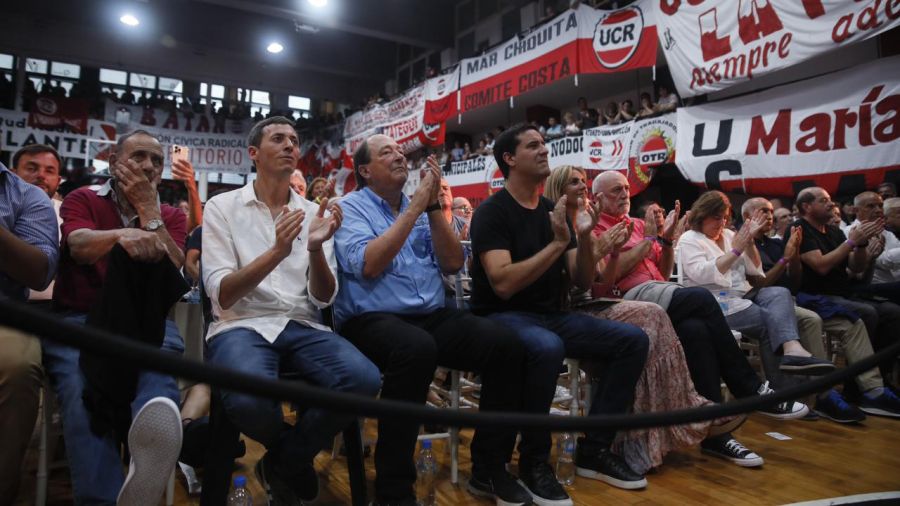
462	277
678	269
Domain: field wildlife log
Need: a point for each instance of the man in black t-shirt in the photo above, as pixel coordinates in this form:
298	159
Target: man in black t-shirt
523	248
833	265
783	266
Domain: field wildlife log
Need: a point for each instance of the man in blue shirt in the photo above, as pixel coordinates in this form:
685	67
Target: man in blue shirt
29	250
391	251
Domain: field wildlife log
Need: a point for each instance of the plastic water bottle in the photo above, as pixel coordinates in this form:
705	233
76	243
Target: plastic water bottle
565	459
723	301
239	495
426	468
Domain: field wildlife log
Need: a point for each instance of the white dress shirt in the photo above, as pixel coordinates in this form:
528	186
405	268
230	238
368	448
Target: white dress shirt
698	259
887	265
237	229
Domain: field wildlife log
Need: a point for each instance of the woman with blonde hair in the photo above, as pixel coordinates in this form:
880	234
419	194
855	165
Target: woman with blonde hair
665	383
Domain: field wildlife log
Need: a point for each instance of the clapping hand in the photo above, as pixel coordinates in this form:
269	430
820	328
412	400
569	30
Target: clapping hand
322	227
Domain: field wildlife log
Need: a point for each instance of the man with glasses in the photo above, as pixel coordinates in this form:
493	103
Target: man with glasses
709	346
462	208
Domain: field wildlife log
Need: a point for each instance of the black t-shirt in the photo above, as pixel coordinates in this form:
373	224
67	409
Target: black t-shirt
836	281
501	223
194	239
770	251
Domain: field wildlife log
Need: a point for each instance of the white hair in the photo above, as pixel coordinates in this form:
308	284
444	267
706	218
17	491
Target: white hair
859	199
751	205
891	203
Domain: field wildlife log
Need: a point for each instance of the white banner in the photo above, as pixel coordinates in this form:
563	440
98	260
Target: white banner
15	134
137	116
208	152
633	148
817	131
710	46
542	39
410	103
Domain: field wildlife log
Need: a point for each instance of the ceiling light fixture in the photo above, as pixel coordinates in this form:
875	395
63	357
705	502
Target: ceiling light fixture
318	3
129	19
275	48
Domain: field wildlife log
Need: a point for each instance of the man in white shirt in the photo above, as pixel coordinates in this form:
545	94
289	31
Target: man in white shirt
869	207
269	268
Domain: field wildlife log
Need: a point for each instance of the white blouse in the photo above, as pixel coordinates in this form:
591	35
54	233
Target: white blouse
698	254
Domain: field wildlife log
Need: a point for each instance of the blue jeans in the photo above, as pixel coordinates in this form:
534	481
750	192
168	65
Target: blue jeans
772	313
619	348
95	462
321	358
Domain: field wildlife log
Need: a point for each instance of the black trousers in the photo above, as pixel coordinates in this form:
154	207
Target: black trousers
709	346
407	349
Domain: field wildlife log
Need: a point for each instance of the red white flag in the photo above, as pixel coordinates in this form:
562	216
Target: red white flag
441	95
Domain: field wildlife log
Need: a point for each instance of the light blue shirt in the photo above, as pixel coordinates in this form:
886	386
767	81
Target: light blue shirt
411	284
26	211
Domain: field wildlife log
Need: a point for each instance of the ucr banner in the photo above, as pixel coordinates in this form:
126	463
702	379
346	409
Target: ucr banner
614	41
712	45
837	131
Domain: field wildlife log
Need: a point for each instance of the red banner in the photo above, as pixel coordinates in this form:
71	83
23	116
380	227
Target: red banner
55	112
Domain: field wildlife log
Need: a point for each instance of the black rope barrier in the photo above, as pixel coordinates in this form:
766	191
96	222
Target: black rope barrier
105	344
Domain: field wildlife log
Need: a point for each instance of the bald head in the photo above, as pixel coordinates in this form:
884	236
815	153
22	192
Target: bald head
869	206
751	205
614	193
782	218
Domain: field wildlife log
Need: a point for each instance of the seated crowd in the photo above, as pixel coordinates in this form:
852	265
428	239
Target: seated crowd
351	294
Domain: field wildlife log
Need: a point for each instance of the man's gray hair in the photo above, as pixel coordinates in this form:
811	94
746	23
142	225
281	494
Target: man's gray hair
751	205
122	138
891	203
862	197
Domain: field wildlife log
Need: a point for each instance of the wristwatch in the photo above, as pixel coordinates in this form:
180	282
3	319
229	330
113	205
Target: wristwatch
433	207
153	225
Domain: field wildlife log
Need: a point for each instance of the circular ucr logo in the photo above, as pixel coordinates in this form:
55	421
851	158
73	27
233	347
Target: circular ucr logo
497	181
46	106
654	152
595	151
617	36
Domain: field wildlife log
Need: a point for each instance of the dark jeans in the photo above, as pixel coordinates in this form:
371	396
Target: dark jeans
620	349
321	358
882	320
407	349
709	346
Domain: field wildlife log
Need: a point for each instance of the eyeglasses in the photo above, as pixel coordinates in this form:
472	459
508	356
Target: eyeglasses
465	209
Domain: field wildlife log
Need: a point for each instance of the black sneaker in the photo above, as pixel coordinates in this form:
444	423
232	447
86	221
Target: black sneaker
540	481
886	404
835	408
809	366
787	410
608	467
286	491
500	486
730	449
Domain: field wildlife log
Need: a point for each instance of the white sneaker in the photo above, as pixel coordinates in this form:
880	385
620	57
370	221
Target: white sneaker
787	410
155	442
